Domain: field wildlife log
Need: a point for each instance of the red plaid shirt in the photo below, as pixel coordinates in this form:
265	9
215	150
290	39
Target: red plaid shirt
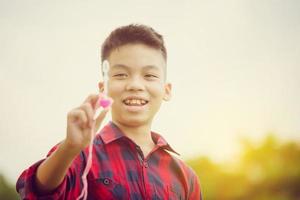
120	171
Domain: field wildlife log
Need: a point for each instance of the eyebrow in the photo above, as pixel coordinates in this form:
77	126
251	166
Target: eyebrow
127	67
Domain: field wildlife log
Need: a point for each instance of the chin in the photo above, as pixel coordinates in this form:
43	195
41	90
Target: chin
133	121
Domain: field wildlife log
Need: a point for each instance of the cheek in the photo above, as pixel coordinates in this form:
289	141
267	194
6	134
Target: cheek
114	89
157	90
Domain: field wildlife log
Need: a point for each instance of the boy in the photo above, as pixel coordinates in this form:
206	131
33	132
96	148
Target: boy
129	160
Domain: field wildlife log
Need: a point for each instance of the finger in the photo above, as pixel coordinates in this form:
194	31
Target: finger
100	118
78	116
92	99
88	109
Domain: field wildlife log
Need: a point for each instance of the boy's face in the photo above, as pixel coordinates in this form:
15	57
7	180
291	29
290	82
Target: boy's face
136	84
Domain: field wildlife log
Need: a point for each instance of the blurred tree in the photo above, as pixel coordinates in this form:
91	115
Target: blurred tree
266	171
7	191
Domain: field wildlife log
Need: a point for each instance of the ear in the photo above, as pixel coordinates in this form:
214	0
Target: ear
168	92
101	86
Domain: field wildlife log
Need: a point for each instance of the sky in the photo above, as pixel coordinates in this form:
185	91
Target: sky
234	66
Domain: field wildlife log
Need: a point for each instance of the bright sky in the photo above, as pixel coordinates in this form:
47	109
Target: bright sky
234	65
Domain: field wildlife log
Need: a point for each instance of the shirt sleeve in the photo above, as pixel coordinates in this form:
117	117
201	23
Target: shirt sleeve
70	187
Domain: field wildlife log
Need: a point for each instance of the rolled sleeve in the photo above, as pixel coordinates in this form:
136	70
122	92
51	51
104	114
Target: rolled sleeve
68	189
26	186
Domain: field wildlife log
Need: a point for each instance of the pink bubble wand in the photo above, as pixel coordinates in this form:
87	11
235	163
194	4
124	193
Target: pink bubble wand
105	102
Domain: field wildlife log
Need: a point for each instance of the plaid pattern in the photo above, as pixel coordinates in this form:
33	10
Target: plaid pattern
120	171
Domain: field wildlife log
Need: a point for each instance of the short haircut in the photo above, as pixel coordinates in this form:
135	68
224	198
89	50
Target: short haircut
133	34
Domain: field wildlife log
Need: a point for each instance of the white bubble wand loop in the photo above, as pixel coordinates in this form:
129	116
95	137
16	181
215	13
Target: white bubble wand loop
105	68
105	102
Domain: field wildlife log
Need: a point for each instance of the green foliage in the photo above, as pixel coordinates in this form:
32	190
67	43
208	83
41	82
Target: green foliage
7	191
266	171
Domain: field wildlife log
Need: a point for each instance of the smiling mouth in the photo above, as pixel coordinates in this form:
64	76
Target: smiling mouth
135	102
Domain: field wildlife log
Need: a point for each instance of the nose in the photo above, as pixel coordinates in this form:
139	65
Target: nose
135	84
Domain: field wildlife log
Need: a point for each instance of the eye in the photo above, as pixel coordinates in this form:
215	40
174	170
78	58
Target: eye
120	75
151	76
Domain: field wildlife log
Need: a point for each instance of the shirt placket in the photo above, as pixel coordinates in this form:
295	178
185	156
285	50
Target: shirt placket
143	169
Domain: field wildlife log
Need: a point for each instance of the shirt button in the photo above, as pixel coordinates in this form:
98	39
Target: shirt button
146	165
106	181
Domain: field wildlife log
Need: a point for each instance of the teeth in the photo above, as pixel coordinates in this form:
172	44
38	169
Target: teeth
137	102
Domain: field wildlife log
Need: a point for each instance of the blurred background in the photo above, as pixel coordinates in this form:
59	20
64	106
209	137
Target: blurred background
234	66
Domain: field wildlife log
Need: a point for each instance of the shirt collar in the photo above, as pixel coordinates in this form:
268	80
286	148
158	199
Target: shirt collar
161	142
111	132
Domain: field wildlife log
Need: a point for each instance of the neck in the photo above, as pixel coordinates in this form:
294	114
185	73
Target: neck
141	134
